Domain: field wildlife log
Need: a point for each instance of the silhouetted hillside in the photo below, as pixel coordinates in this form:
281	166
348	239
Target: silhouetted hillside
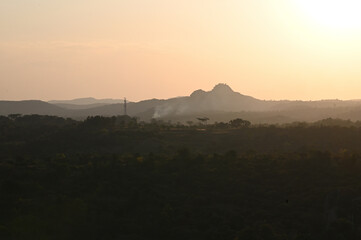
30	107
143	109
221	98
88	101
79	106
219	104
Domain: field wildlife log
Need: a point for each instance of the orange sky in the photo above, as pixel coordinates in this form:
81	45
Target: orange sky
140	49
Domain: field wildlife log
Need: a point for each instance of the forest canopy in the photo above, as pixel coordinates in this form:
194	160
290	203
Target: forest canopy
117	178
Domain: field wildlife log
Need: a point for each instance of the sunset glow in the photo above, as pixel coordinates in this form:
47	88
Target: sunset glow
281	49
342	14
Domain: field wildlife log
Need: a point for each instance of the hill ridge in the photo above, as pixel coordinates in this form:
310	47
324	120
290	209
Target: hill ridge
220	103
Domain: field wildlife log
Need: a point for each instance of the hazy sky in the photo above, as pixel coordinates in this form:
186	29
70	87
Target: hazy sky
139	49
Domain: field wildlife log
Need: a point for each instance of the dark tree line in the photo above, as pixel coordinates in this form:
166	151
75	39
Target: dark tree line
117	178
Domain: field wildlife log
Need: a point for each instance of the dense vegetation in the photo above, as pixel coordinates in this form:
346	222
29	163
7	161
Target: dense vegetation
115	178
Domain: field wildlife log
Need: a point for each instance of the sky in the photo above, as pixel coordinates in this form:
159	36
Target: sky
141	49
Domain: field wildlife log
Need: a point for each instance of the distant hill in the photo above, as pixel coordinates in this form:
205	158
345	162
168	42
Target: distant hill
221	98
30	107
79	106
87	101
144	109
219	104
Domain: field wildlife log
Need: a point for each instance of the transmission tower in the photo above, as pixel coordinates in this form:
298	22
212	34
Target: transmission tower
125	106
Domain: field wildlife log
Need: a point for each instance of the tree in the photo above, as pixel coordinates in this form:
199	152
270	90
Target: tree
238	122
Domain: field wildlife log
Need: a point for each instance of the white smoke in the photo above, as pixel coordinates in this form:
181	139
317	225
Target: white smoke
167	109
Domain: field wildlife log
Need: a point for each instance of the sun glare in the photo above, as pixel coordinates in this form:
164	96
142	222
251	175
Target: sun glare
341	14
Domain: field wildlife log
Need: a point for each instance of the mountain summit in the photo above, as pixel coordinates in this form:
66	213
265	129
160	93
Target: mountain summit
222	88
221	98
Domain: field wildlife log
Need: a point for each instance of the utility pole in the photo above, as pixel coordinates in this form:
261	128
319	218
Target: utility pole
125	106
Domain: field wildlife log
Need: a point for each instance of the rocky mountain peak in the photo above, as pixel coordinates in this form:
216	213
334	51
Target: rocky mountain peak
222	88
